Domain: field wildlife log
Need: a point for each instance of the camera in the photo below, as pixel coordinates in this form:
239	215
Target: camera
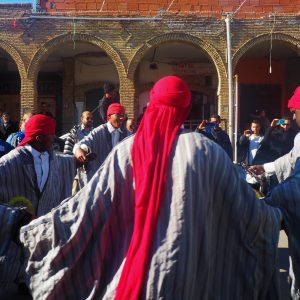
209	127
280	122
212	124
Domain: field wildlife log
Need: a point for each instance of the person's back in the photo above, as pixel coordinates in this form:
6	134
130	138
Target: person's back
159	220
208	224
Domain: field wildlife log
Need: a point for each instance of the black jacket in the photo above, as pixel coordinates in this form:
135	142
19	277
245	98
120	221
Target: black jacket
5	131
104	103
220	137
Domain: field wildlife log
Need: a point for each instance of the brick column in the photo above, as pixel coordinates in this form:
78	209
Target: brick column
223	104
128	97
68	109
28	96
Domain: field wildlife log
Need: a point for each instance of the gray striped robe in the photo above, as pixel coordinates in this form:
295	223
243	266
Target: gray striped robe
286	196
99	141
18	178
214	239
284	165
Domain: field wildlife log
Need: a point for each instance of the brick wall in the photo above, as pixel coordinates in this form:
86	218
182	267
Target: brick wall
126	43
213	8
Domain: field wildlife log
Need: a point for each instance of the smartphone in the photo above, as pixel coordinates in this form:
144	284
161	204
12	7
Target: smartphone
281	121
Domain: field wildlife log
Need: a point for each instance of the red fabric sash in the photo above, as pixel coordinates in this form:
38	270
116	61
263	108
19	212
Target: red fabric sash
169	106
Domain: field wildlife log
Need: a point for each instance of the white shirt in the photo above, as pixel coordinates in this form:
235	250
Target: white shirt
269	168
115	134
41	165
254	142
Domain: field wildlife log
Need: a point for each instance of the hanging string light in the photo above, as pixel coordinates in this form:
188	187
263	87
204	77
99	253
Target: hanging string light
74	34
14	23
271	44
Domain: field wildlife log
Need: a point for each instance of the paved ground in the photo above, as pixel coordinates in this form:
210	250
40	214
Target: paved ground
284	264
12	293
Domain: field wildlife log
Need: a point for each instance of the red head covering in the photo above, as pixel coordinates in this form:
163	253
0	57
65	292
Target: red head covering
115	108
38	125
168	108
294	102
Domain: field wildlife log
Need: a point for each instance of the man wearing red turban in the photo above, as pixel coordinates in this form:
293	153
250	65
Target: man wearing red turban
34	171
100	141
166	216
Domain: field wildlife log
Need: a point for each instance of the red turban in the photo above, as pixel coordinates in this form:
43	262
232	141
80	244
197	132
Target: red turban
115	108
294	102
38	125
169	106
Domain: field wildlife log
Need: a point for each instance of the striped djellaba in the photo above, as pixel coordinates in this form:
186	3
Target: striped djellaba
214	239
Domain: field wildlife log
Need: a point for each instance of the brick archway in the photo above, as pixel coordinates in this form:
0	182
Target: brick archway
293	42
188	39
46	49
16	57
178	37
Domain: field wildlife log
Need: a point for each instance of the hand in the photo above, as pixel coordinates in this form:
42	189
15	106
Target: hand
80	155
257	169
202	124
247	132
274	123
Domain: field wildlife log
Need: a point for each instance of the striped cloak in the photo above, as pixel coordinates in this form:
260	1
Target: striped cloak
18	178
99	141
284	165
214	239
286	196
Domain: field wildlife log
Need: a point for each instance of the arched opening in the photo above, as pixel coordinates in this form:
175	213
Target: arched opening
190	63
266	82
71	80
10	85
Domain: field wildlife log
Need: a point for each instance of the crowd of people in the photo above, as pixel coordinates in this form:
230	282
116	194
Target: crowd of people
257	146
154	212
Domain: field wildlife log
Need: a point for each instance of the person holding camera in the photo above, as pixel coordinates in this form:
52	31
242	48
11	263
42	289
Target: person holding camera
280	136
250	142
213	131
